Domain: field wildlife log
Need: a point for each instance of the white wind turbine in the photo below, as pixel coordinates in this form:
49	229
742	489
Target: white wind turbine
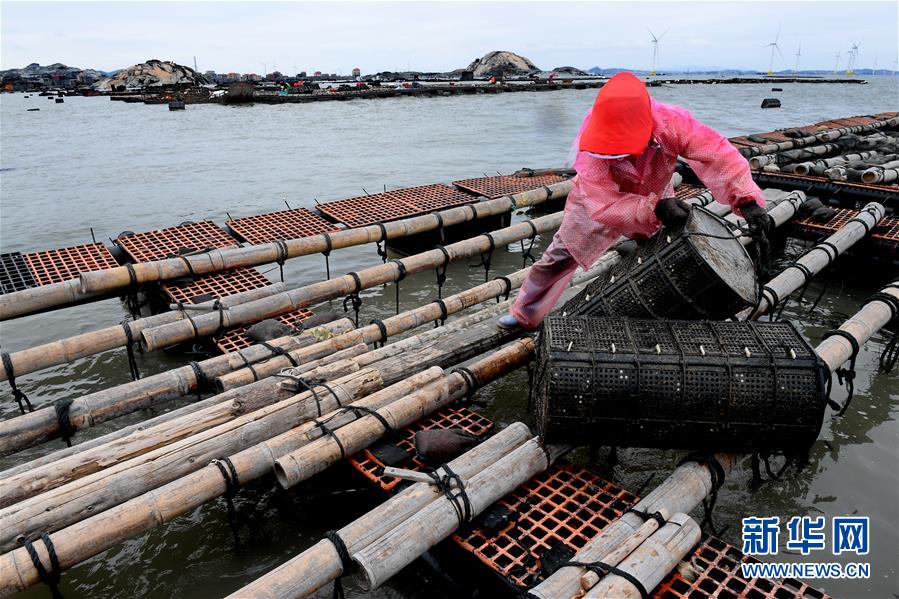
837	65
773	45
853	56
655	50
798	56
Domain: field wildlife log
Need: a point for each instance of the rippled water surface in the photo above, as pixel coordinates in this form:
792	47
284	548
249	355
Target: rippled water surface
110	166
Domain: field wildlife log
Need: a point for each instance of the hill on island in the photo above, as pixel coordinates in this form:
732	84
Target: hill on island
150	74
501	62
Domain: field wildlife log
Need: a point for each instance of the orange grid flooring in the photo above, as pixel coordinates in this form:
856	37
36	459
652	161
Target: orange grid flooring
886	232
163	243
499	186
685	191
367	210
236	339
53	266
372	467
216	285
285	224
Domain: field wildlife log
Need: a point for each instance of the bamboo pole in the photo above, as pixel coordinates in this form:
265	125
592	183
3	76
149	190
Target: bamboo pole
783	158
320	564
301	297
793	277
403	544
651	562
819	166
89	410
72	348
682	491
151	435
95	534
882	173
827	136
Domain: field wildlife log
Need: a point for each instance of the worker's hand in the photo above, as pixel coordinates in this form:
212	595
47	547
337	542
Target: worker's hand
672	212
757	218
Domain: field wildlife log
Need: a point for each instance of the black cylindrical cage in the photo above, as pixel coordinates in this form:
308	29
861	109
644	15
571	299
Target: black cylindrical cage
699	272
729	386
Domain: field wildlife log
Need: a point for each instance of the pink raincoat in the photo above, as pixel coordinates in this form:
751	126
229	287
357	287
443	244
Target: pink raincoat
611	198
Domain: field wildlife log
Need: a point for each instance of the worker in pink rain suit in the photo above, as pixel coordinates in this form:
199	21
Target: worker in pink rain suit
626	153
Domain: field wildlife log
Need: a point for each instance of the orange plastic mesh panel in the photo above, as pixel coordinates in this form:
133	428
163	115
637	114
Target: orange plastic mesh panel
565	504
685	191
718	575
808	225
887	230
286	224
367	210
53	266
428	198
236	338
217	285
156	245
496	187
372	468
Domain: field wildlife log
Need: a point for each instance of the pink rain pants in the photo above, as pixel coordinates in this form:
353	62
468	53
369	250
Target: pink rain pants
611	198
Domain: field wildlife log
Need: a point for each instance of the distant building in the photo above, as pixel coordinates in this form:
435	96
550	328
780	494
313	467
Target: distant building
301	75
211	76
250	77
357	72
317	74
231	77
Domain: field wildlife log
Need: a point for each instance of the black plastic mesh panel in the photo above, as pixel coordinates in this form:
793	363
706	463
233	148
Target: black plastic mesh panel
14	273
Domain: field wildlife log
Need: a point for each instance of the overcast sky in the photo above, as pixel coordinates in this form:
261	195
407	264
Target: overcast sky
376	36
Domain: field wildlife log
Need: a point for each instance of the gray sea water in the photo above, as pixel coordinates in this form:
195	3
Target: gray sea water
110	166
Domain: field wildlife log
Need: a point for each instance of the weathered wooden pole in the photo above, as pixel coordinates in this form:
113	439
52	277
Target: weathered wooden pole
321	564
651	562
301	297
89	410
72	348
882	173
95	534
796	274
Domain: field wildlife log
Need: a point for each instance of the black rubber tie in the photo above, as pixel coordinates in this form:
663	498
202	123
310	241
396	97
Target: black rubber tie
329	246
382	251
281	245
232	486
248	365
471	380
187	263
508	290
278	351
202	379
345	561
66	430
440	227
129	350
459	498
717	475
440	270
444	313
17	393
323	425
380	324
401	274
845	376
861	222
358	411
602	570
217	305
52	577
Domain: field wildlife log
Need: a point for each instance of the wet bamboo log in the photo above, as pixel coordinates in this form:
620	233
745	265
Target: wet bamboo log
302	297
627	546
99	532
407	541
784	158
150	435
89	410
320	564
815	260
819	166
827	136
539	172
72	348
651	562
682	491
882	173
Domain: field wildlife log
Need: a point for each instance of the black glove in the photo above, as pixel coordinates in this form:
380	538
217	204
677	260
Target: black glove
757	218
672	212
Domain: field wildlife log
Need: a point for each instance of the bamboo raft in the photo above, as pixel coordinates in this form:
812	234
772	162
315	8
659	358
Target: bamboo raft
338	391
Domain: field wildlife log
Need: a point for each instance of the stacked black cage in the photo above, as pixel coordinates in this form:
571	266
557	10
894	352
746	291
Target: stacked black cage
731	386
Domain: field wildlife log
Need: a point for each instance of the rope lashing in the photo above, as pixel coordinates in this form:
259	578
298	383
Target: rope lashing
845	376
441	233
716	472
526	254
131	301
645	516
508	288
329	245
603	569
203	380
220	308
472	383
458	498
444	313
382	249
360	411
129	350
186	315
279	351
890	354
345	561
310	387
281	246
773	301
383	328
486	257
440	270
66	430
248	365
49	577
401	274
806	279
353	299
232	486
17	393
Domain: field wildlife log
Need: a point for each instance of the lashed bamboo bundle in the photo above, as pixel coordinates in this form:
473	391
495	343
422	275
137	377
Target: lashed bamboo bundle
302	297
89	410
321	564
882	173
102	282
783	158
651	562
794	276
97	533
818	167
827	136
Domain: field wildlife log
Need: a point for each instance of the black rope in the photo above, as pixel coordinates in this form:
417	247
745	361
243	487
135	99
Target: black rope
458	498
186	314
281	245
323	425
217	305
383	328
603	569
441	233
444	313
508	289
382	250
774	301
203	380
845	376
486	257
657	516
49	577
279	351
526	254
310	387
440	270
353	299
248	365
17	393
190	267
345	562
232	486
360	411
129	350
717	474
401	274
327	254
890	354
131	300
471	380
66	430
